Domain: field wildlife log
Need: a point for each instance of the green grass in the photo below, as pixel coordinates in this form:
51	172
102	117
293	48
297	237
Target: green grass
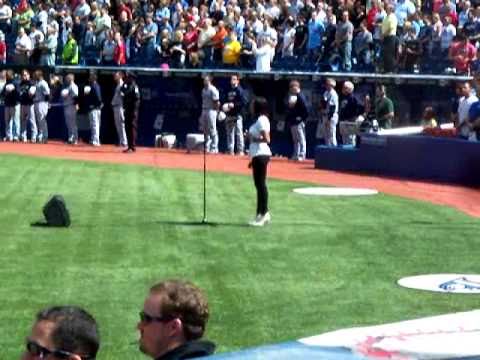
323	264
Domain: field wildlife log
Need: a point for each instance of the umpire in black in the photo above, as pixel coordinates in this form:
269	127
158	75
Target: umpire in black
131	104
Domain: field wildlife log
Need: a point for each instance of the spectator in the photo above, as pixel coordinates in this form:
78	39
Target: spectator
403	10
288	38
24	16
205	42
263	55
446	38
108	49
363	44
119	55
301	37
471	28
425	38
70	51
218	42
5	17
103	25
447	9
3	49
384	111
125	25
173	321
316	29
190	40
23	48
437	33
148	37
63	332
428	118
410	49
389	36
78	30
247	57
231	51
82	10
467	98
177	53
462	53
36	38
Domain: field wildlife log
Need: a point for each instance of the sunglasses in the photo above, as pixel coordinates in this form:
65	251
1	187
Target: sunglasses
35	349
146	318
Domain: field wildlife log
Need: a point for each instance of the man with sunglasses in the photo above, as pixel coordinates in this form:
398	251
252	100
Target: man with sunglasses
63	332
172	322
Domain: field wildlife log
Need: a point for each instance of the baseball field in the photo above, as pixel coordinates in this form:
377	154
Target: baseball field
323	263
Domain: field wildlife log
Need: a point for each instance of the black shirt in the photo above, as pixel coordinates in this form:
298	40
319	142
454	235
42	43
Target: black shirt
131	97
238	97
350	108
10	98
189	350
25	97
299	112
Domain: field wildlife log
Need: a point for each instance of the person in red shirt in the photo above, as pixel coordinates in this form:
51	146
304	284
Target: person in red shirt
119	56
462	53
372	13
3	49
124	7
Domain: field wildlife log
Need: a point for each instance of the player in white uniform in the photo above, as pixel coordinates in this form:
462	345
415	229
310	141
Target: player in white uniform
70	107
208	118
40	104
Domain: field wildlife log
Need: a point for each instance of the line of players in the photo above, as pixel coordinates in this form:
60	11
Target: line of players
27	102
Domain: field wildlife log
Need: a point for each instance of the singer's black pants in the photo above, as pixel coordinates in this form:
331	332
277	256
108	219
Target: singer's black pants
259	166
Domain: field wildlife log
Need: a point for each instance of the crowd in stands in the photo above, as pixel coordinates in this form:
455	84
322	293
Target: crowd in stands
433	36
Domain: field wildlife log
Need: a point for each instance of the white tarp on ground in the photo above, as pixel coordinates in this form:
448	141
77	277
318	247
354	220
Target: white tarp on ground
440	337
334	191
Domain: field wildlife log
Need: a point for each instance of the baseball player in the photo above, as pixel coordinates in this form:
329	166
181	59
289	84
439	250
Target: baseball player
27	91
297	113
10	98
131	106
93	102
236	100
329	110
117	107
208	118
70	108
40	106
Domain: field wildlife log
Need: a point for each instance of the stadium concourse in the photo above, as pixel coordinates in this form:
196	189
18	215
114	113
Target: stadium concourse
462	198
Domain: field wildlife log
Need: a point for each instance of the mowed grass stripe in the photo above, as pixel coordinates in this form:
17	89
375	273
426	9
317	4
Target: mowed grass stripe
324	263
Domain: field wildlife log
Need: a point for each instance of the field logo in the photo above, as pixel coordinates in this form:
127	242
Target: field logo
445	283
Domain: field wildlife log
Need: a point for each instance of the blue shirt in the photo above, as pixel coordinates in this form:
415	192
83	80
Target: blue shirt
474	112
315	34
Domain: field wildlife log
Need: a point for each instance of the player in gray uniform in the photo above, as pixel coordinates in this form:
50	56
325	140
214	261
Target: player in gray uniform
117	107
40	105
27	113
328	123
70	107
208	118
10	99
